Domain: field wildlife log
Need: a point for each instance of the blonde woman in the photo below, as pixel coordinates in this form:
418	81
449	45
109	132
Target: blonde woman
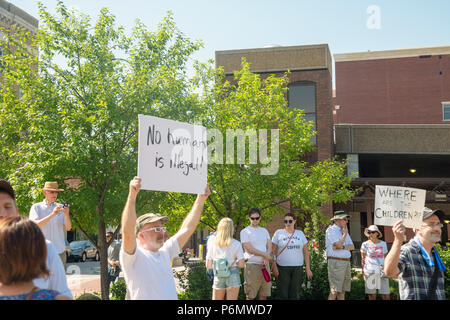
222	247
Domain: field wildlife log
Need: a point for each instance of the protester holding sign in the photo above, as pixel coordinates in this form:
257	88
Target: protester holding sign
225	256
373	252
145	257
339	244
417	264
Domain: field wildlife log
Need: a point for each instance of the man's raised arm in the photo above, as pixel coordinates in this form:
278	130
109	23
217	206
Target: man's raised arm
192	219
129	217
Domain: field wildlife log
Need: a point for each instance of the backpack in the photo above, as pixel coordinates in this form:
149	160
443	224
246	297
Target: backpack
220	268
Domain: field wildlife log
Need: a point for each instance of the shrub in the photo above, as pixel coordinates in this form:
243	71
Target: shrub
320	287
89	296
444	253
193	283
119	290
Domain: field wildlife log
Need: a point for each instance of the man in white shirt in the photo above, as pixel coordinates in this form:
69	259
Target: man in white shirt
339	244
145	257
258	247
57	279
53	219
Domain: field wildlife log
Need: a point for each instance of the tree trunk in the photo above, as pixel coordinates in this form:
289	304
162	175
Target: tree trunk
103	259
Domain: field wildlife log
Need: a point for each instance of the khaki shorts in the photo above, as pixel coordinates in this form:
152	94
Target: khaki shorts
339	275
254	281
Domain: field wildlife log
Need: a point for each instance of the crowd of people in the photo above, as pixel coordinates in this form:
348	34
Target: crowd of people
32	254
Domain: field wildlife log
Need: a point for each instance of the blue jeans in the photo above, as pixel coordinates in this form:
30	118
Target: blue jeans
113	273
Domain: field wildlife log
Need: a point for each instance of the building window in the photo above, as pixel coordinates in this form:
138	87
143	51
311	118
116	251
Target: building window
302	95
446	111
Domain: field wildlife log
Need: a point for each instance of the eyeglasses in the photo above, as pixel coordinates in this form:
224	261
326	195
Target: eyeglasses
156	229
434	225
288	221
255	218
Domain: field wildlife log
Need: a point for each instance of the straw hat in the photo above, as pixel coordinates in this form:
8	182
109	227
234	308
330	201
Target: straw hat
338	215
51	186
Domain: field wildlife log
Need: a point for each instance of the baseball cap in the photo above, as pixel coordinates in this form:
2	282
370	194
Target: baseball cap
149	218
427	212
6	187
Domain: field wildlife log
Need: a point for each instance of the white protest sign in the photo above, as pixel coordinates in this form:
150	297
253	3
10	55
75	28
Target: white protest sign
399	203
172	155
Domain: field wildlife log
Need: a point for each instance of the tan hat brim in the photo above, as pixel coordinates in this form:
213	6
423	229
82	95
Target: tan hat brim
366	233
48	189
339	218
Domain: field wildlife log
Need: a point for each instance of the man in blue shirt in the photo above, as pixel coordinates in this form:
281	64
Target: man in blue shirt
52	218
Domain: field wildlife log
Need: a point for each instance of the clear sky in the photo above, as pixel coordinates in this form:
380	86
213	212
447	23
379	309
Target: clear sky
345	25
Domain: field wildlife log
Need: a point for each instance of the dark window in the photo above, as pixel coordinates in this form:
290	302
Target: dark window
302	95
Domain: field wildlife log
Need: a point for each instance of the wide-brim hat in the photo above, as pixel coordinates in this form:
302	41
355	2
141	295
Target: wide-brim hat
372	228
338	215
427	212
149	218
51	186
6	187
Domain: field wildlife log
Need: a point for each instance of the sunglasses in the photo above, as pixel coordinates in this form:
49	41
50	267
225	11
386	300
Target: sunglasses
255	218
288	221
156	229
371	232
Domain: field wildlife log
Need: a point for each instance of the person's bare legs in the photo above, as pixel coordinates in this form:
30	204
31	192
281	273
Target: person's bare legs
232	293
341	295
218	294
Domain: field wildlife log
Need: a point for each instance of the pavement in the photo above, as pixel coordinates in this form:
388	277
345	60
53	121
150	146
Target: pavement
84	277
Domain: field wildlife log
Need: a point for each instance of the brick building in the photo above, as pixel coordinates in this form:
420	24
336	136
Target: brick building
11	15
392	122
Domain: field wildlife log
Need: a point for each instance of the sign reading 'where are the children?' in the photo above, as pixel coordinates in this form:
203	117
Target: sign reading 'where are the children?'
172	155
399	203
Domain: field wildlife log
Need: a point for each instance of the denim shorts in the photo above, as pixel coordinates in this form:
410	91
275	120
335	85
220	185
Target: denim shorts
233	280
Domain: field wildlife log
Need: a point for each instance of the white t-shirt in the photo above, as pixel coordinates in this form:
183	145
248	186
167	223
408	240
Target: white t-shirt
374	255
57	279
233	252
148	274
54	229
258	239
334	234
292	255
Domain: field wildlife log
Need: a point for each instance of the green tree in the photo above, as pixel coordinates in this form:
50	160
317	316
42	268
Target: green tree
246	103
69	103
